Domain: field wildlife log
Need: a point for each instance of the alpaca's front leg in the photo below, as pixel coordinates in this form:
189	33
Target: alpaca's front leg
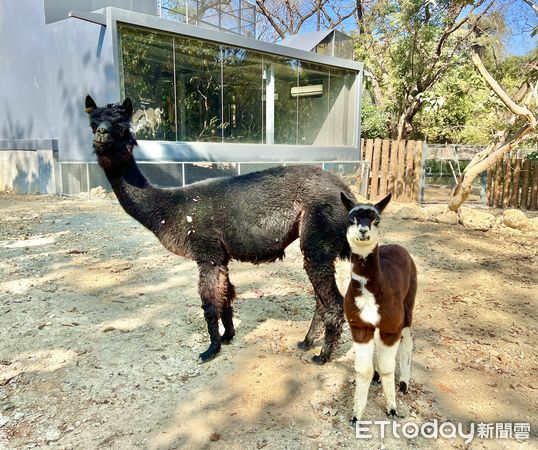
364	368
213	295
387	347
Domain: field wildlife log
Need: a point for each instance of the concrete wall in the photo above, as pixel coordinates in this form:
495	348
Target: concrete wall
46	71
28	166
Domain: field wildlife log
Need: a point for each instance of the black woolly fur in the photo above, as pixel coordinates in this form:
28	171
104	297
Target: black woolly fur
251	217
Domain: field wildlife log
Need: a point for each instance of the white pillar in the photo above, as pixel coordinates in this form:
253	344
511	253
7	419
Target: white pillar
270	104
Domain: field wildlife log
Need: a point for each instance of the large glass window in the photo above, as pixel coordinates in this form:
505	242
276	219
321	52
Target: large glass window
198	86
313	98
284	73
190	90
148	80
243	91
342	112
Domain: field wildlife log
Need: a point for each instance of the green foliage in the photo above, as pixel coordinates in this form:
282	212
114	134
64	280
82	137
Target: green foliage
374	120
425	79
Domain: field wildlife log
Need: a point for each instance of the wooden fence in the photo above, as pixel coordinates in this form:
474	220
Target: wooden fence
513	183
395	166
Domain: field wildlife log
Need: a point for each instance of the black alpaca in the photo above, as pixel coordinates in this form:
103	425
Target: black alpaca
251	218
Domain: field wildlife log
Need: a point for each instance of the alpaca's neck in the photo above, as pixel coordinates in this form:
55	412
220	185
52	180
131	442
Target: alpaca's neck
137	196
368	267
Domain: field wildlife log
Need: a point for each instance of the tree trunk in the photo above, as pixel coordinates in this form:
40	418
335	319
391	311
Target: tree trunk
493	152
483	161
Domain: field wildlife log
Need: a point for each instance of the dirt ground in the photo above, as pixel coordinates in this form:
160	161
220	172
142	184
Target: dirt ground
101	328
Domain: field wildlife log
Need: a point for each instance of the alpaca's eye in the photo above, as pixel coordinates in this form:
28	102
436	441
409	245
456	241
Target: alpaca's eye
376	222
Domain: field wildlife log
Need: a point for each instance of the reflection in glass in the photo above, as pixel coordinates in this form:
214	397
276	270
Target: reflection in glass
242	96
198	90
312	95
285	73
342	114
148	80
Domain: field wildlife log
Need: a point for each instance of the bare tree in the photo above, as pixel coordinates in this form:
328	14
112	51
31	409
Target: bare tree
508	139
288	17
521	124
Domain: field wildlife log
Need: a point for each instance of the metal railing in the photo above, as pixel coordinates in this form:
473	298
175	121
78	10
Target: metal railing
79	177
234	16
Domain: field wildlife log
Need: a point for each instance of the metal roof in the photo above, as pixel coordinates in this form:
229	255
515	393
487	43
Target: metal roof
306	41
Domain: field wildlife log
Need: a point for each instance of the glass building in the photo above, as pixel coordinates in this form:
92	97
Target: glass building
187	89
206	94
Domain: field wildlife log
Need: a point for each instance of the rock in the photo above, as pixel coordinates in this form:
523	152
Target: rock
326	411
3	420
514	218
412	212
448	217
433	211
476	220
333	411
98	192
53	435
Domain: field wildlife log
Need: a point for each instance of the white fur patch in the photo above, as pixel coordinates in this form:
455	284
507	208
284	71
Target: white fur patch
386	362
364	367
362	280
369	309
364	206
406	350
362	248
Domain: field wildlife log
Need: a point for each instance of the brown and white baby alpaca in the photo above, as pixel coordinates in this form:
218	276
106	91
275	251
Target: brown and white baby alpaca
380	297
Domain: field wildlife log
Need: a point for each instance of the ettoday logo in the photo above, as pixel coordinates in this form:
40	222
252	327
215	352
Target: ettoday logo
447	430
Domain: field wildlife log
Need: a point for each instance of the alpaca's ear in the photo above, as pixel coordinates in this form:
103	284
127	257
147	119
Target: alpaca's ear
383	203
90	105
348	203
128	106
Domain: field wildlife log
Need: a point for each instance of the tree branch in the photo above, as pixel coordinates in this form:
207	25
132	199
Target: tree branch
495	87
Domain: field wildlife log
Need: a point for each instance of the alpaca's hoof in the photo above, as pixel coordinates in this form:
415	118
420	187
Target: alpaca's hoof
376	380
227	338
403	387
208	355
392	415
320	359
305	345
353	422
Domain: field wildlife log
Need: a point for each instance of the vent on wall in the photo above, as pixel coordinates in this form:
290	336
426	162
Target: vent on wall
311	90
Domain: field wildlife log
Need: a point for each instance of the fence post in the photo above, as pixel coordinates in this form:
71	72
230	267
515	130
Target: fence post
383	180
400	180
534	191
506	182
498	183
525	184
408	179
374	183
514	201
422	186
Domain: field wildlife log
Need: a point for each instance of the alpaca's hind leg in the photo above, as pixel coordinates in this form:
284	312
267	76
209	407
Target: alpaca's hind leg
387	347
227	314
212	289
315	327
322	279
406	350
